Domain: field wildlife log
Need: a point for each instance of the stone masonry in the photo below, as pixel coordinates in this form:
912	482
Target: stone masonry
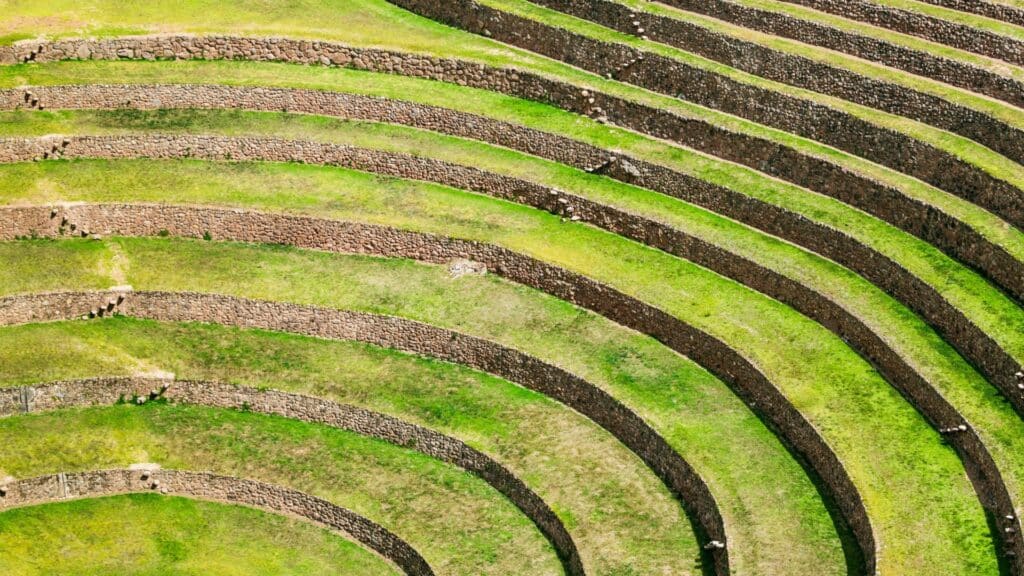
748	382
401	334
955	327
675	78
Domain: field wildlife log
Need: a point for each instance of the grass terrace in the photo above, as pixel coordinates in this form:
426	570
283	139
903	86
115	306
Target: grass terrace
988	307
695	412
1001	110
836	411
925	514
222	184
428	37
618	512
975	154
151	535
480	532
905	40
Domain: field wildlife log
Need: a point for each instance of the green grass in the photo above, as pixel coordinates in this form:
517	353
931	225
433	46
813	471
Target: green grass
603	489
963	97
906	333
904	463
990	309
967	150
151	535
459	523
905	40
960	17
406	31
509	109
697	414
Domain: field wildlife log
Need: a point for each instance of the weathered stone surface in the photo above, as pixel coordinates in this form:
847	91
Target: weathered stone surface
943	69
238	225
804	117
999	11
748	382
947	32
806	73
966	337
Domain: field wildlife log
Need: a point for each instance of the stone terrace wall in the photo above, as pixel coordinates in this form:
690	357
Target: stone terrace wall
106	391
803	72
967	337
811	120
206	486
396	333
1003	12
746	380
831	314
939	30
923	220
978	462
882	201
950	71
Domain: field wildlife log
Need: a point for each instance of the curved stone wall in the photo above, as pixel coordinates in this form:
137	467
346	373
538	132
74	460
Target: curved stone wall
918	24
753	386
1003	12
803	72
922	395
922	220
811	120
385	331
107	391
815	305
955	72
206	486
745	379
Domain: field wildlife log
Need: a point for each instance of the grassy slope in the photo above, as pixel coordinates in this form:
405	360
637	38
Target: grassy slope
618	512
905	40
906	333
356	21
405	31
150	535
458	522
987	306
697	414
1003	111
864	403
963	148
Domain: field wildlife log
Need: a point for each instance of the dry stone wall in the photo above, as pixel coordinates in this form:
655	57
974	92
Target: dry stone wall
1004	12
978	462
207	486
920	219
803	72
882	201
391	332
915	23
980	348
107	391
745	379
950	71
809	119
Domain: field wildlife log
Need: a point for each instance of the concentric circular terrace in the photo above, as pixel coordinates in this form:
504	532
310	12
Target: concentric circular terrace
510	287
